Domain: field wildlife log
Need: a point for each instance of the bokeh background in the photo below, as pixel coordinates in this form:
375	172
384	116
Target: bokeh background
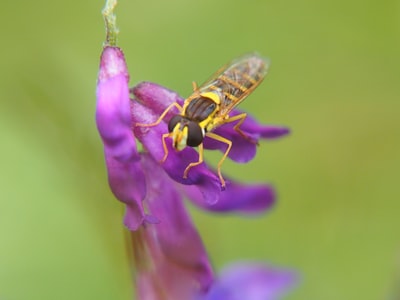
335	80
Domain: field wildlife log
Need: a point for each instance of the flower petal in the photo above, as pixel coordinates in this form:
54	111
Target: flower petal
156	97
126	181
240	198
251	281
113	119
177	161
112	110
170	256
243	150
256	130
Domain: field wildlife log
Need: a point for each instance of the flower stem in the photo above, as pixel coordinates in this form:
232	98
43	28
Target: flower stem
110	20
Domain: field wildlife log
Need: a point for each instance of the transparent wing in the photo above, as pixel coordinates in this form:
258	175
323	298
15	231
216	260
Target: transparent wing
236	80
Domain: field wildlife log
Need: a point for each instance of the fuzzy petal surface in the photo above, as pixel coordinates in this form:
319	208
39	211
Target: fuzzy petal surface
156	97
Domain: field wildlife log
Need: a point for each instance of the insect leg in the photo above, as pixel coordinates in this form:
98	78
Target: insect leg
163	137
162	116
191	165
241	117
194	85
229	143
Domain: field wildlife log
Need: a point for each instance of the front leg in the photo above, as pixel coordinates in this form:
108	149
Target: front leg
175	104
229	143
193	164
164	136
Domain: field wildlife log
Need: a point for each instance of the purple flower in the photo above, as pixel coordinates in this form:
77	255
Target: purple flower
116	115
171	261
170	258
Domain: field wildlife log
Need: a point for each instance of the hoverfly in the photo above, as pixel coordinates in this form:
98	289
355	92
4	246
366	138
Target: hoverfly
209	106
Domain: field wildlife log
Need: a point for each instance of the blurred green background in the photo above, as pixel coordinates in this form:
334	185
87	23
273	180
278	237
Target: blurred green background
335	80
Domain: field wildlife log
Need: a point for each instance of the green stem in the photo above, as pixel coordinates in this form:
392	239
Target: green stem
110	20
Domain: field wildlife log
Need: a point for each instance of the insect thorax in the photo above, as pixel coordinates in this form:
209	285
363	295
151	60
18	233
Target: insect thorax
202	108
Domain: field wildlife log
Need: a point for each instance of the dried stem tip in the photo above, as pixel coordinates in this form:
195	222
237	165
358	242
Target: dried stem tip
110	20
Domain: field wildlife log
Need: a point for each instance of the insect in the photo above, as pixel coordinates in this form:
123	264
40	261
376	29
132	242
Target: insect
209	107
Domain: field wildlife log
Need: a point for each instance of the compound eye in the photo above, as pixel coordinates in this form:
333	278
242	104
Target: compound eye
172	123
195	134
